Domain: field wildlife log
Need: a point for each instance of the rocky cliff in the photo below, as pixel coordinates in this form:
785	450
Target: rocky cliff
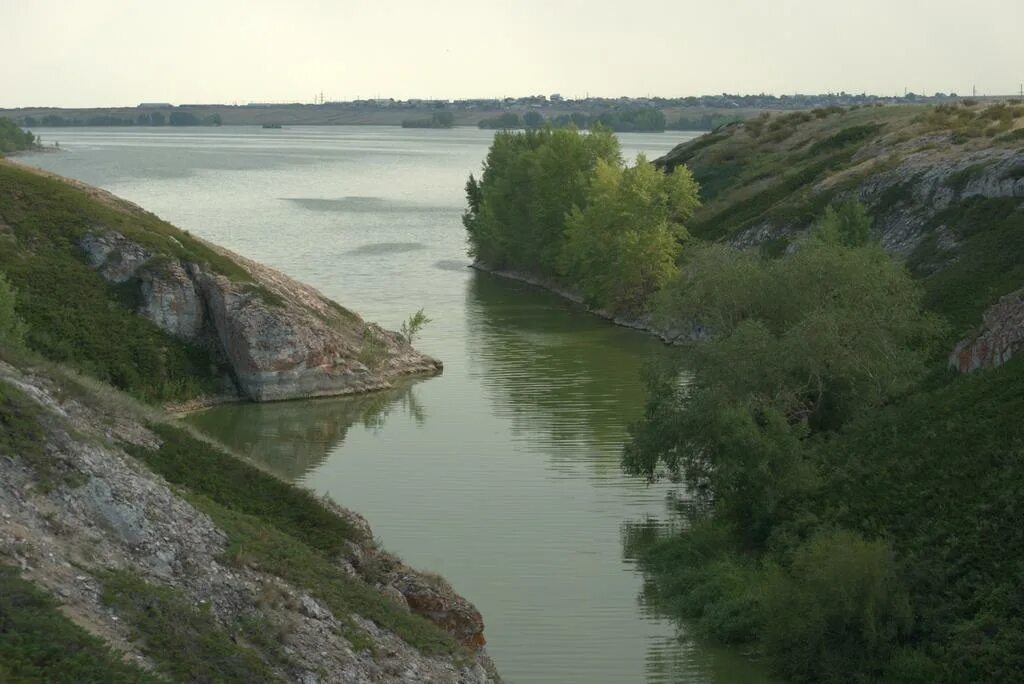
241	326
282	339
163	567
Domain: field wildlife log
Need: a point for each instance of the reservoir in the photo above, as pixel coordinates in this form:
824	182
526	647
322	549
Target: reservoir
501	474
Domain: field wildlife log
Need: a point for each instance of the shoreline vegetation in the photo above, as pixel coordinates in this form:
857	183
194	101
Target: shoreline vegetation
834	260
623	114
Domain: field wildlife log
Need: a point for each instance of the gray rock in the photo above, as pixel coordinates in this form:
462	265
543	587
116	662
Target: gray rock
1001	337
283	340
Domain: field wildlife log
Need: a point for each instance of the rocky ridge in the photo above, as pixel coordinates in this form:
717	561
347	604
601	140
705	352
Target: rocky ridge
281	339
65	534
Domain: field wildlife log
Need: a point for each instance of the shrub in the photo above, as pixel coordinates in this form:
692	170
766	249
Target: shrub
839	604
38	643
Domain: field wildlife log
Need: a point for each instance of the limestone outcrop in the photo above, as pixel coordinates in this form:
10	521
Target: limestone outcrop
1000	339
281	339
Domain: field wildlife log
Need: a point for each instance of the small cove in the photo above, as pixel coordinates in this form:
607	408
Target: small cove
502	474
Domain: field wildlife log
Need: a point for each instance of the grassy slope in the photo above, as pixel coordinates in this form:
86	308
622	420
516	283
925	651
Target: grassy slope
272	526
71	310
784	170
39	644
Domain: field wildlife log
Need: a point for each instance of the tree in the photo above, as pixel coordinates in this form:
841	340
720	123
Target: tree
800	345
533	119
622	240
531	180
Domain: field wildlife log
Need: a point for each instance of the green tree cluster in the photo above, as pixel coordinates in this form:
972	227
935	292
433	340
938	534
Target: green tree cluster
560	204
621	247
627	120
13	138
831	529
436	120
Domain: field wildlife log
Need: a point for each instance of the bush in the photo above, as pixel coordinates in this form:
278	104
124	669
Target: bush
38	643
837	608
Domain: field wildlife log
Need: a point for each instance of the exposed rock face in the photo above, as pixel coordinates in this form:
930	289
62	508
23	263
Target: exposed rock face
1002	337
117	515
927	182
934	183
435	600
171	299
283	340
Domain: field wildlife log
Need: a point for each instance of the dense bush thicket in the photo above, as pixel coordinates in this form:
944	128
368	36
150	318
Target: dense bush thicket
856	512
560	204
12	138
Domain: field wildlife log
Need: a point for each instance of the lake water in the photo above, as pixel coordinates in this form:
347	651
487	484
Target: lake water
502	474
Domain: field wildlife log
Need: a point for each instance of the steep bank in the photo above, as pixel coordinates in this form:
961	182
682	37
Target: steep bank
944	186
192	564
195	318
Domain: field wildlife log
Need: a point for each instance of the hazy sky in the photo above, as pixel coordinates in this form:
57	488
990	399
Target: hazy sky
115	52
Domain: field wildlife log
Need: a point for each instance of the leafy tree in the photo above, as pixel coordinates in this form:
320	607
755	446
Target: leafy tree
13	138
848	224
531	180
533	120
800	345
622	241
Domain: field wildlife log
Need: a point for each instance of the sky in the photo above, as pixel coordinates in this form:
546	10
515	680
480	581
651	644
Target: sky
85	53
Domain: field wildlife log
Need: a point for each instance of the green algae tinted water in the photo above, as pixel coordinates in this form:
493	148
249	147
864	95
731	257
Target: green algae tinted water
502	474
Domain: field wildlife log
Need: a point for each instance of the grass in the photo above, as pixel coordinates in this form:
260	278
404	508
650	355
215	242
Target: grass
959	180
38	643
845	138
277	528
256	543
184	640
207	471
23	437
70	310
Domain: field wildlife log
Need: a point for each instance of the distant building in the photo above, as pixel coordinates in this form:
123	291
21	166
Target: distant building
154	105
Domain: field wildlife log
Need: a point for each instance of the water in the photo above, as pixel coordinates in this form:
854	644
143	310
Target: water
502	474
